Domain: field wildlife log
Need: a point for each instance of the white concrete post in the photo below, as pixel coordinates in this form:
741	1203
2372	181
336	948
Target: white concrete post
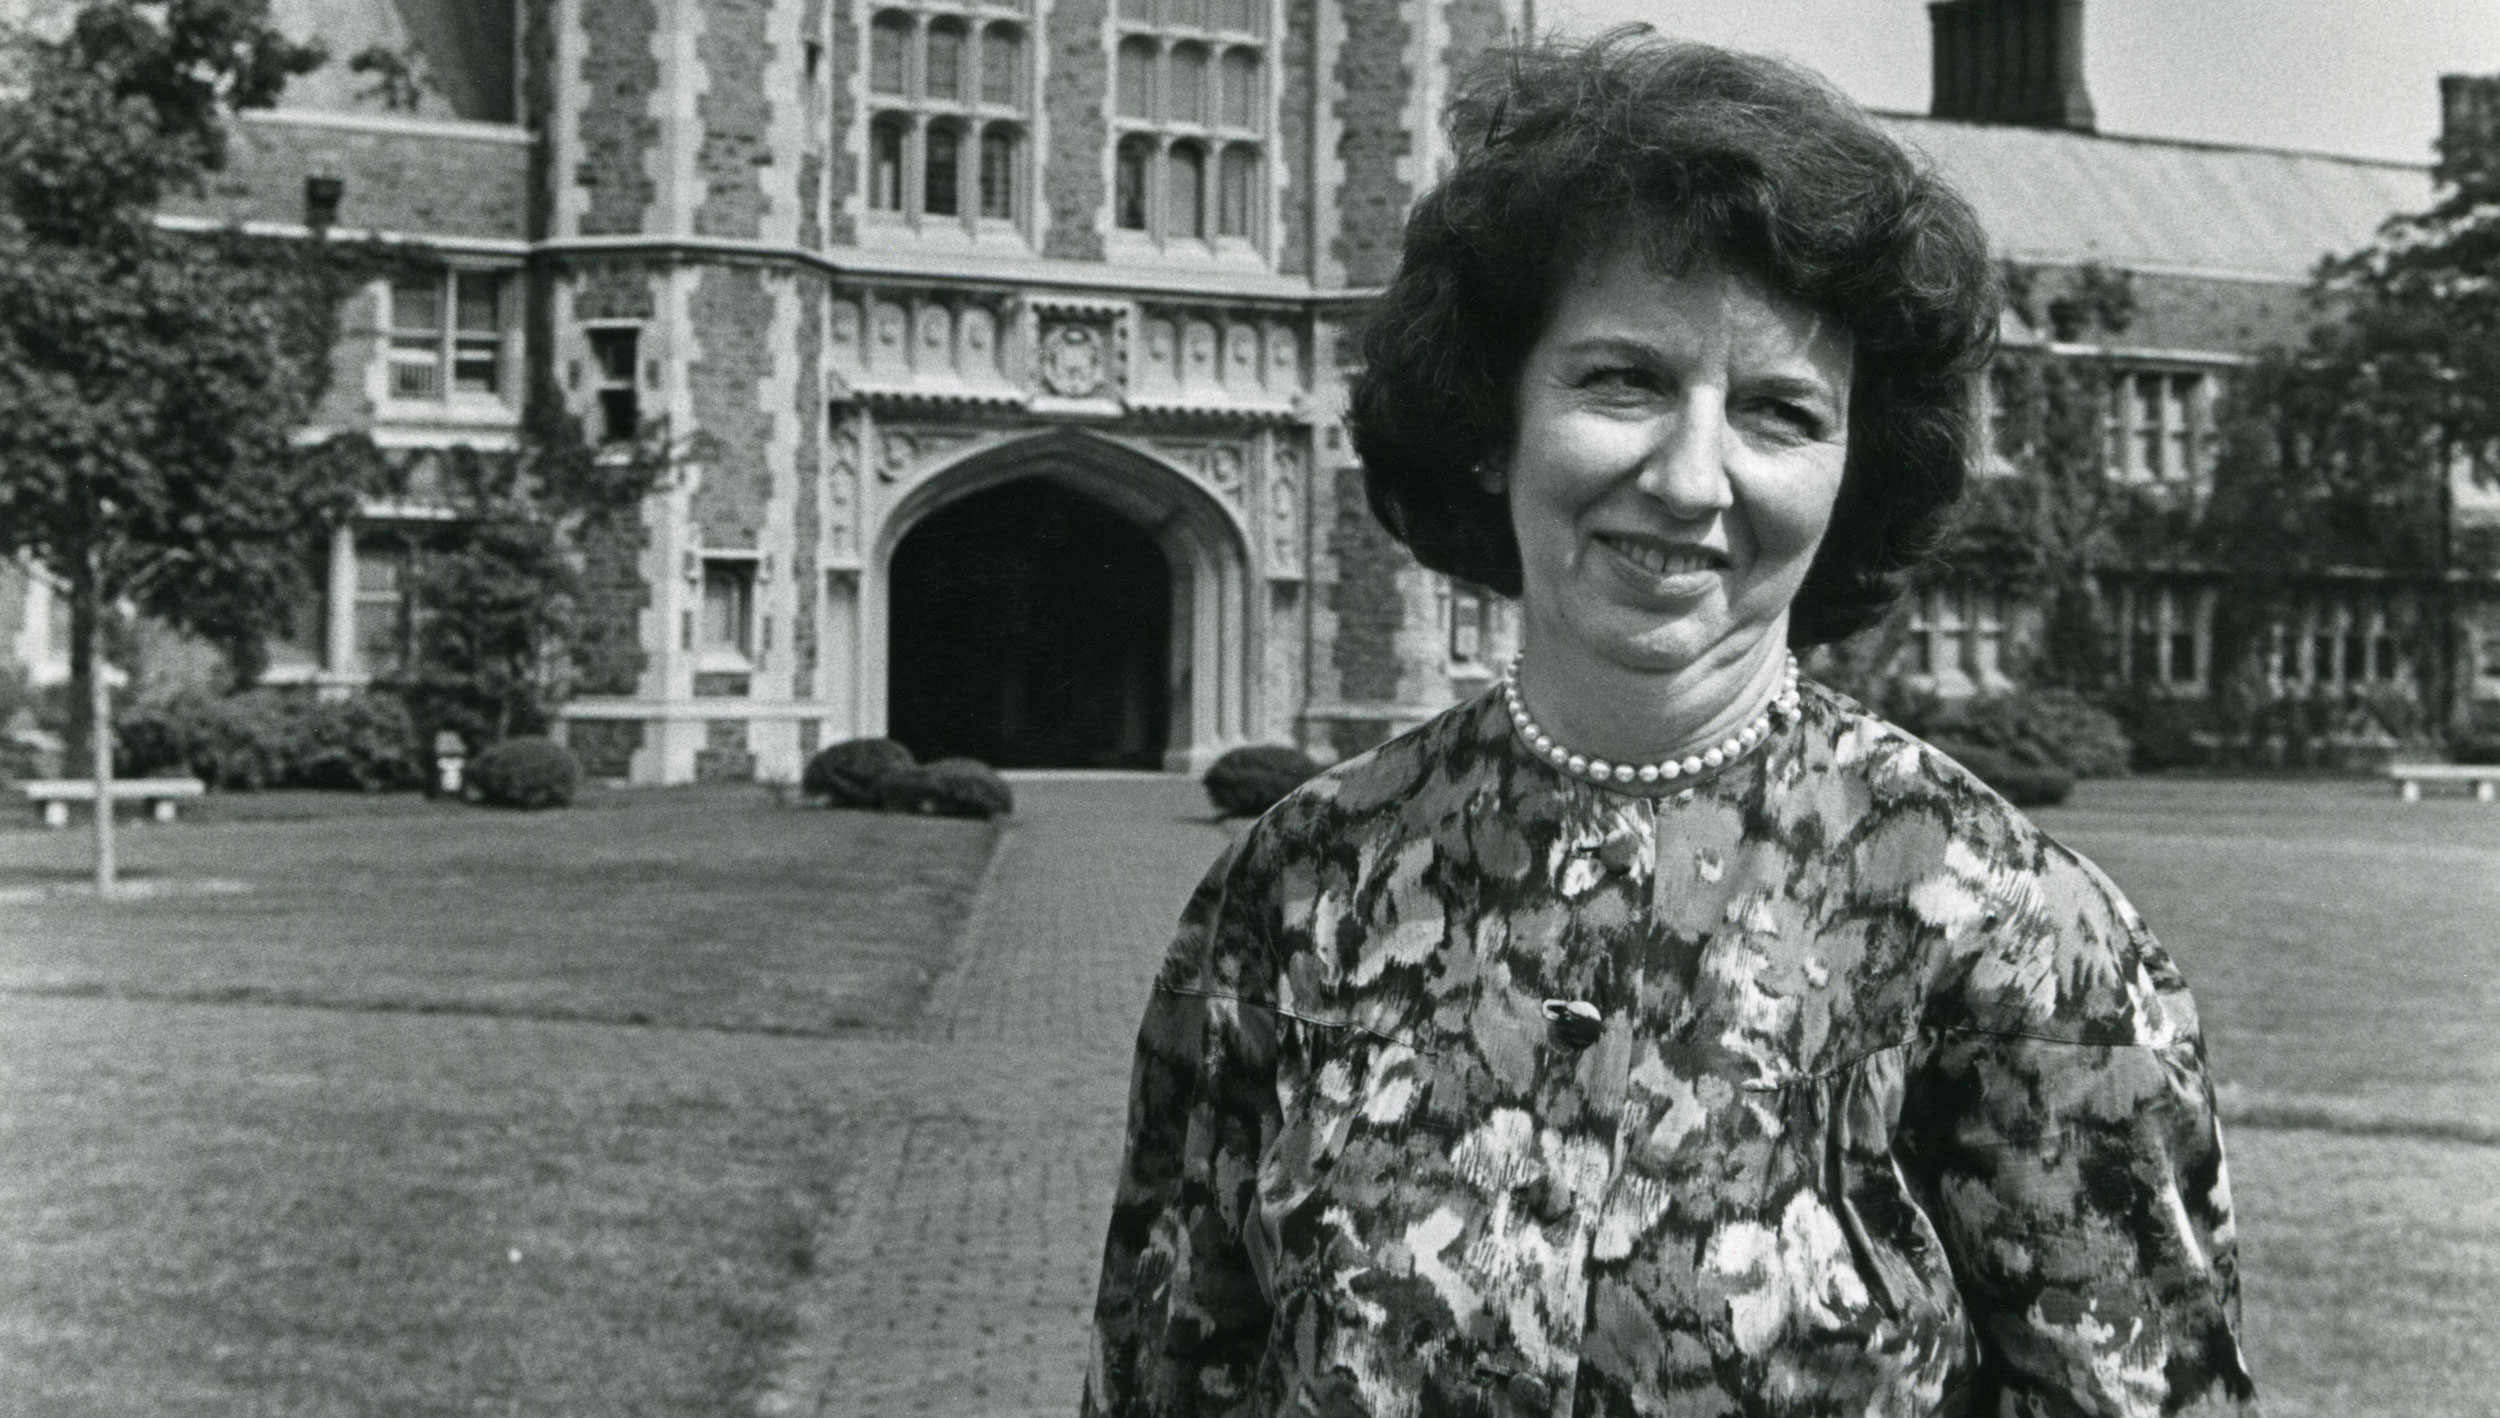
339	628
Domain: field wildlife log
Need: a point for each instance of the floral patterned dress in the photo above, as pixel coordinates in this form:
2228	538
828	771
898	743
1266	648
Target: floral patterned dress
1828	1085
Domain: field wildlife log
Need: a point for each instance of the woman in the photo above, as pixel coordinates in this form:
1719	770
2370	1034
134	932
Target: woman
1660	1034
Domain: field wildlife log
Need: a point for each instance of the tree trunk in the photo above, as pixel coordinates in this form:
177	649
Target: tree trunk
87	605
2447	718
85	647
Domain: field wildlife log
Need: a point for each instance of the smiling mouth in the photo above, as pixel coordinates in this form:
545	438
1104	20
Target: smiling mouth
1660	560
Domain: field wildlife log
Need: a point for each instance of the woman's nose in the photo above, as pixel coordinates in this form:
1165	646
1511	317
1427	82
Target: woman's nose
1687	466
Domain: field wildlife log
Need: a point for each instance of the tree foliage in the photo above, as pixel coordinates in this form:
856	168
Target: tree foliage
2049	533
131	106
151	381
148	386
500	595
2344	453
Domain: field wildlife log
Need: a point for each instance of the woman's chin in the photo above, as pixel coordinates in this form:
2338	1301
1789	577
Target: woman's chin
1640	640
1641	634
1651	649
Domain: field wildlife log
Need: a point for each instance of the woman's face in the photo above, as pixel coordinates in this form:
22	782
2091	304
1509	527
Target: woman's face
1679	446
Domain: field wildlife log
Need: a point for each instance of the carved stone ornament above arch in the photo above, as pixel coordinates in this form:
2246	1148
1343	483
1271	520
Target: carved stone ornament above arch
1287	475
1221	464
1141	482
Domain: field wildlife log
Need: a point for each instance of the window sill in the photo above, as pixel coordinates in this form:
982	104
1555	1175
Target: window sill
986	234
483	410
1188	252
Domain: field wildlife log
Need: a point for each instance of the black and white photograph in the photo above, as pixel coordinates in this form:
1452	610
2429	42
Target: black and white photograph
1249	708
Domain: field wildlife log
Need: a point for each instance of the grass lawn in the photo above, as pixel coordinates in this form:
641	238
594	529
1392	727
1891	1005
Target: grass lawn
2345	953
708	908
464	1112
468	1190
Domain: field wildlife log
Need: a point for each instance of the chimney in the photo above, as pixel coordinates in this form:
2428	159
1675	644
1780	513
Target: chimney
2469	129
2011	61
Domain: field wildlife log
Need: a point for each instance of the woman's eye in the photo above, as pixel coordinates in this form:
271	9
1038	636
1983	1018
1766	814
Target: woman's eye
1619	378
1791	419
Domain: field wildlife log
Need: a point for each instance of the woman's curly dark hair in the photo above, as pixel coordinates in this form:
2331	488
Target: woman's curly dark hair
1705	156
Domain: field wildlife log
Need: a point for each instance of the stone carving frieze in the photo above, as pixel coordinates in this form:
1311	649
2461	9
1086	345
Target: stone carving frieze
1217	359
908	452
906	343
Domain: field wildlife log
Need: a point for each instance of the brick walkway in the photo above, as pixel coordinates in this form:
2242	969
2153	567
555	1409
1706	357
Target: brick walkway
960	1263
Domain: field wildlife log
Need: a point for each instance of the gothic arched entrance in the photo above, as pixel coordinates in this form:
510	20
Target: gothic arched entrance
1031	626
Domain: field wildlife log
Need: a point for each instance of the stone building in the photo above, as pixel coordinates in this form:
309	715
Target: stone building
2217	245
1012	326
1014	332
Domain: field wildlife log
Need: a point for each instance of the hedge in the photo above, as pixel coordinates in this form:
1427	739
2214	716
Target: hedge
265	738
1248	781
950	787
850	773
525	773
2023	784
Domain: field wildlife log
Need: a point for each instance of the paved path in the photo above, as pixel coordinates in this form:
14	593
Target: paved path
959	1266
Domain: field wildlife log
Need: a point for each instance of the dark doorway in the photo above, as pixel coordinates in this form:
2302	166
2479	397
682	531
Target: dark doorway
1031	627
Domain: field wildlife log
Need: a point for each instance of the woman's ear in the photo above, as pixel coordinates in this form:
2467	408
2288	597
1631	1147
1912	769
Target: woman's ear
1493	476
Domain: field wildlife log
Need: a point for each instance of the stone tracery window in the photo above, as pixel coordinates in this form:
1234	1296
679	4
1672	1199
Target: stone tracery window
2161	426
1190	91
2166	638
1957	637
1130	166
950	104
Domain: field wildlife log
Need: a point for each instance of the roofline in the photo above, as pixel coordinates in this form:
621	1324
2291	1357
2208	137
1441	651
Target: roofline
2150	141
2071	261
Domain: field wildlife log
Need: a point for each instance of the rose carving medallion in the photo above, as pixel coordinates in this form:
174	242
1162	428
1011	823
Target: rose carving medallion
1071	361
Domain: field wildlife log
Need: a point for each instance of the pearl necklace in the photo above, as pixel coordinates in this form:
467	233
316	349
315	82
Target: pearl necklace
1784	704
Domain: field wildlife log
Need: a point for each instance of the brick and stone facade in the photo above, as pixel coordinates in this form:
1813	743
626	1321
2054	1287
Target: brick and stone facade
686	207
872	260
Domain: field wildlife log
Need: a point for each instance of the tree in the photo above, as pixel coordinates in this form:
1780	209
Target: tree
2344	452
2049	533
150	381
499	595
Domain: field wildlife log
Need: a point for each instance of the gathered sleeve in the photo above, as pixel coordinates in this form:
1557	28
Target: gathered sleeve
2063	1126
1182	1313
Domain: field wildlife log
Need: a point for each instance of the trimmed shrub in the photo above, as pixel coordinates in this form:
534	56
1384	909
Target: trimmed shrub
240	742
851	773
2170	733
2023	784
1249	781
950	787
2050	728
28	753
151	740
264	738
2481	752
525	773
366	742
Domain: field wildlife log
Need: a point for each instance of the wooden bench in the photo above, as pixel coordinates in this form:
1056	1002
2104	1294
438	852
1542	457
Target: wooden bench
2410	777
56	794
